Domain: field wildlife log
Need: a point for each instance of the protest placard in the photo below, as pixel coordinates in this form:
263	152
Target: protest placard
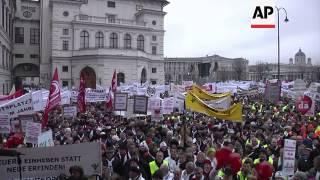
4	124
96	95
167	105
45	139
272	92
18	106
70	111
289	153
50	162
33	130
120	101
37	101
140	105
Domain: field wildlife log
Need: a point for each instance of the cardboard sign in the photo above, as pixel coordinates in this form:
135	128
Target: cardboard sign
120	101
305	105
4	124
70	111
289	153
19	106
140	104
167	105
45	139
272	92
50	162
33	130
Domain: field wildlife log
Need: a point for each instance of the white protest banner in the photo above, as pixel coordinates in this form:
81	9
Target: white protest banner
222	103
33	130
50	162
45	139
167	105
96	95
140	105
289	153
154	103
19	124
151	91
37	101
19	106
4	124
70	111
120	101
65	97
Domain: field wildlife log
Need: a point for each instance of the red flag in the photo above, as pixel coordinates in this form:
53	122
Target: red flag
12	96
114	81
54	98
81	96
109	100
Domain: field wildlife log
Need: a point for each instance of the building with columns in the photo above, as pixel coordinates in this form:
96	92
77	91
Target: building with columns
205	69
298	67
90	38
7	11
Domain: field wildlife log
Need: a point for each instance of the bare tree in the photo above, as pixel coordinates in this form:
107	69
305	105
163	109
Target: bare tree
262	70
239	68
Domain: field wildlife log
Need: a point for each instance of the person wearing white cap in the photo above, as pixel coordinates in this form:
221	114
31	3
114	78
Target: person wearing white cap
164	149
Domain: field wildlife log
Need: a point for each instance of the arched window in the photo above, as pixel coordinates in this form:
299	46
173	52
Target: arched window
140	43
127	41
143	75
113	40
84	39
120	78
99	40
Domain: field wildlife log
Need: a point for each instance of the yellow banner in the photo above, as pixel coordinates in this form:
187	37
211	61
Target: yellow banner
202	94
234	113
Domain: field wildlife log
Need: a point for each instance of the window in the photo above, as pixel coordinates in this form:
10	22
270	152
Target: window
111	18
154	50
34	56
65	31
34	36
114	40
120	78
19	35
154	22
140	43
19	55
99	40
65	68
65	45
153	82
154	38
154	70
84	39
65	13
111	4
127	41
65	83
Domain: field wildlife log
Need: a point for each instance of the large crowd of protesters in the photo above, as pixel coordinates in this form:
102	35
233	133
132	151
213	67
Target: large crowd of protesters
184	146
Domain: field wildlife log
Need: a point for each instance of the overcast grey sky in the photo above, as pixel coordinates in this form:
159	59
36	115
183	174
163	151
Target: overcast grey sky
222	27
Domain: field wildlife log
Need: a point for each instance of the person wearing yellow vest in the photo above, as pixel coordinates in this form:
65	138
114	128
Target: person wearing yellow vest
263	157
156	164
246	172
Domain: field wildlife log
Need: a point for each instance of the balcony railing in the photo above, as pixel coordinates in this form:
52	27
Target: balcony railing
109	20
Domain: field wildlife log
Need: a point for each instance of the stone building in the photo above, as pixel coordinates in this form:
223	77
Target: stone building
7	11
90	38
298	68
205	69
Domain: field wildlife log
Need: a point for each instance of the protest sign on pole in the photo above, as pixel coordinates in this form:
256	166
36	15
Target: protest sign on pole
96	95
50	162
45	139
70	111
305	105
273	91
4	124
33	130
120	101
140	105
37	101
289	153
167	105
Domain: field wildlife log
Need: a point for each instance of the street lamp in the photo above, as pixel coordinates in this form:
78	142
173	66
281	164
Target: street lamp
285	20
